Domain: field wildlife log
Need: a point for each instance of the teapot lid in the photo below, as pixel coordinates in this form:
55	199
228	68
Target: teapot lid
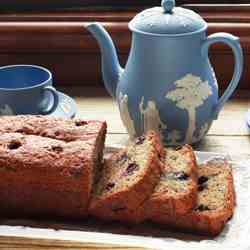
167	20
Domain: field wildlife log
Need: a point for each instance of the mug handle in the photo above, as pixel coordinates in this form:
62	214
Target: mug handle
55	95
233	42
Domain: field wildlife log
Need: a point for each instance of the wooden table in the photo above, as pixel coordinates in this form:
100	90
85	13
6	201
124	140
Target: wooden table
228	134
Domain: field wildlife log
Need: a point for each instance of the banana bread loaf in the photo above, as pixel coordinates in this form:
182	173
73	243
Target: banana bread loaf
215	204
128	179
45	176
176	192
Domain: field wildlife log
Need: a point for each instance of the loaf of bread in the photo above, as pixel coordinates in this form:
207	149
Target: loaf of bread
45	176
215	203
53	167
128	179
176	192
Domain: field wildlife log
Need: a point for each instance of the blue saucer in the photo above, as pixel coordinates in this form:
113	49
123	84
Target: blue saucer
67	107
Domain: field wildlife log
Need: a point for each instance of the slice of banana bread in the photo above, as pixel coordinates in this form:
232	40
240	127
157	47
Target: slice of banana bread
215	204
176	191
128	179
44	176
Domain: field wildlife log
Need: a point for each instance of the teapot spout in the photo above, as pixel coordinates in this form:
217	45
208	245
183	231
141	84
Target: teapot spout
111	69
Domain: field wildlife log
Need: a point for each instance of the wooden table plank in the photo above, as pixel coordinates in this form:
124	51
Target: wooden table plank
231	120
95	103
234	145
37	244
211	143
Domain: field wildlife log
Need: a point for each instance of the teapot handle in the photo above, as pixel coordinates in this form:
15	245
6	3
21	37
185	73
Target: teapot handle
234	43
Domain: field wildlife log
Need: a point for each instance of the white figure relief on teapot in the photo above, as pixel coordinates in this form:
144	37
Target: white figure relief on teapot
150	117
125	115
190	92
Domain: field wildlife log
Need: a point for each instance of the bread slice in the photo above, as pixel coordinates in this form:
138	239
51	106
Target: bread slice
176	192
128	179
215	203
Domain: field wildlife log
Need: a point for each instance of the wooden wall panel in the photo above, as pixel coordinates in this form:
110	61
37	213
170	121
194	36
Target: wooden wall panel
59	41
52	4
77	69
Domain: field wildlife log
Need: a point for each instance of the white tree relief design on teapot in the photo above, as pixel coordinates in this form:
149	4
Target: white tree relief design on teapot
151	117
189	94
125	115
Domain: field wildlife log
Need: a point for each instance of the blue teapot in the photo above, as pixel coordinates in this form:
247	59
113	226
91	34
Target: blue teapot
168	84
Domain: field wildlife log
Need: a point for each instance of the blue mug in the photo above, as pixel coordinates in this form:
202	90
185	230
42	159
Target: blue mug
26	89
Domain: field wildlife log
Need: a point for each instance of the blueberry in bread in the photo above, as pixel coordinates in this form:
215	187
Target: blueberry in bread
215	203
176	192
128	179
45	176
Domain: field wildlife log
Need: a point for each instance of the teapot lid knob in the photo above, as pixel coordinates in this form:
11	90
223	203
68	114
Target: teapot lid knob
168	5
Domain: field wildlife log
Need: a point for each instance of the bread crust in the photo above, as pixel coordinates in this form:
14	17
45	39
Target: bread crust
52	127
123	205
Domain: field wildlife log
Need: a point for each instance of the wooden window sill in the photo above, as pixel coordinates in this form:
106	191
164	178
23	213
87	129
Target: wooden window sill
59	41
